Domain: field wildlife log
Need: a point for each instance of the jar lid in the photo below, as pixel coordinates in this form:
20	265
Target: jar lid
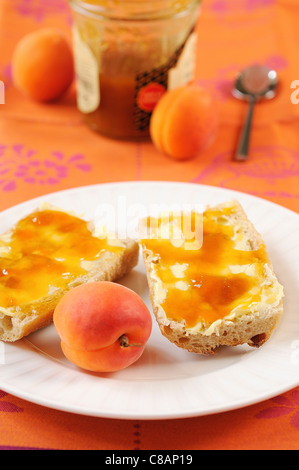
134	9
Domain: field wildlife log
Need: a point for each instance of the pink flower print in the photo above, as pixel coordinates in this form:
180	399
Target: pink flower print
283	406
277	62
19	164
225	6
253	4
39	9
6	72
219	6
270	163
273	163
222	81
7	406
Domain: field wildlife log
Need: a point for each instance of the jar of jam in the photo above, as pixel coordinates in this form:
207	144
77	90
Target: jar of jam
127	54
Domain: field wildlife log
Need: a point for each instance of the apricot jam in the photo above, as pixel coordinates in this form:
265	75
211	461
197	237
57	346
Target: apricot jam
127	54
115	114
46	251
205	284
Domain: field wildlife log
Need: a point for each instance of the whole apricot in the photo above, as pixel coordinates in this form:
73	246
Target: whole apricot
43	65
103	326
184	122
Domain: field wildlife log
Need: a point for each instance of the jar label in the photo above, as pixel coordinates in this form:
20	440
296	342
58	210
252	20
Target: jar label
184	70
150	85
149	95
87	75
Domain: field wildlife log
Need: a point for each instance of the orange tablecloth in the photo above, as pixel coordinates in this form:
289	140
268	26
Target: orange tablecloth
45	148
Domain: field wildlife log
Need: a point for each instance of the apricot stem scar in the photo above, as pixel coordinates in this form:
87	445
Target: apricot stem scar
124	342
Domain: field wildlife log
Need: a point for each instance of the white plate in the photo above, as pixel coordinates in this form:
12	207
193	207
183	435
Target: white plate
167	382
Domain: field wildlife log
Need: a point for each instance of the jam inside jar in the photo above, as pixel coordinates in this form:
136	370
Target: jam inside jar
127	54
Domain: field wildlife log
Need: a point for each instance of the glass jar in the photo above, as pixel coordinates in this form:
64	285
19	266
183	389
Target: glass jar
127	54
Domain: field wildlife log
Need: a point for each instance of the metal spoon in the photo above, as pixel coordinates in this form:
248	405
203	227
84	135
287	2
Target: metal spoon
253	84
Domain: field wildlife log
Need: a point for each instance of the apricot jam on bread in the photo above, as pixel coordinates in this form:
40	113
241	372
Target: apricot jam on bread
221	291
46	254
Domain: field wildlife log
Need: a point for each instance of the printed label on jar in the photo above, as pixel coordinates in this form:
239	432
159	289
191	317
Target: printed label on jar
184	70
150	86
149	95
87	75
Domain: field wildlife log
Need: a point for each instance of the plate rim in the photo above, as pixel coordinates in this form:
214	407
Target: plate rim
148	183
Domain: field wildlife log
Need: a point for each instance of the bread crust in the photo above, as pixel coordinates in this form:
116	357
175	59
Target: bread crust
253	328
19	321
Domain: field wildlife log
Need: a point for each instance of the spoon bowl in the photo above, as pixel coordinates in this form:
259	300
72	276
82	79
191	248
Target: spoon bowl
253	84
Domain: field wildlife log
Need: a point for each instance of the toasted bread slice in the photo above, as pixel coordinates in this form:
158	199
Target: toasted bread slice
43	256
218	288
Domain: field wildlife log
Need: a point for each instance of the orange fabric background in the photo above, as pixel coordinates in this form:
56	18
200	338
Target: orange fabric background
45	148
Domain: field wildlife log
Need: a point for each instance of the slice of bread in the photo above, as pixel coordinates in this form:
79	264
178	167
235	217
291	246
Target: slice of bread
216	289
43	256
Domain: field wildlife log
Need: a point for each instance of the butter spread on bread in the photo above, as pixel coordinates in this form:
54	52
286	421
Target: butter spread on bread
221	291
44	255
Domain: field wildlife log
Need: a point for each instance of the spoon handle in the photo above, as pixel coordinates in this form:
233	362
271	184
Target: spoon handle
242	151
